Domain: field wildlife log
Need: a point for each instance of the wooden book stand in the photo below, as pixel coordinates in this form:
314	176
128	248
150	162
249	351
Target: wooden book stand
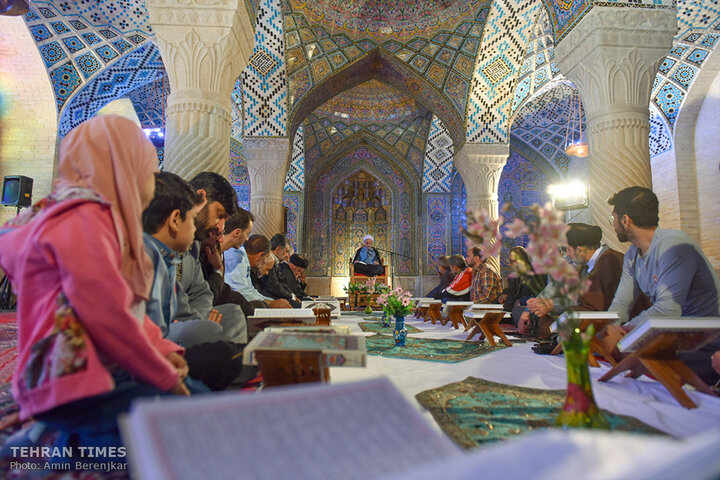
322	316
602	348
659	358
285	367
489	325
455	315
435	312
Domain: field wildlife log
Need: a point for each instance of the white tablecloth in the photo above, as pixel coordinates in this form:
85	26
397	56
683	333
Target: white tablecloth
644	398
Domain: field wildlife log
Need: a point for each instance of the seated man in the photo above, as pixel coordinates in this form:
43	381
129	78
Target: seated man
667	266
292	272
446	276
272	284
486	285
459	288
367	259
252	254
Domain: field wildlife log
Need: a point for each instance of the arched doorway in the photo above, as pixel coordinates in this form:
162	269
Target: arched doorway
361	205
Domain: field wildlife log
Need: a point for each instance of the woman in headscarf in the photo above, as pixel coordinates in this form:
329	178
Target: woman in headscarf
77	263
367	259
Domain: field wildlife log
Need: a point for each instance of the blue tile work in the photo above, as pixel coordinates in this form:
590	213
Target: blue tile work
264	81
52	53
131	71
295	178
698	32
239	177
149	101
88	64
522	184
507	32
439	153
660	140
541	123
538	67
65	79
73	44
293	202
438	214
62	31
457	215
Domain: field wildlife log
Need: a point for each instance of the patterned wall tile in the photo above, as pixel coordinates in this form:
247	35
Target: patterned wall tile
508	31
295	178
239	177
264	91
52	53
293	202
439	153
131	71
660	139
437	230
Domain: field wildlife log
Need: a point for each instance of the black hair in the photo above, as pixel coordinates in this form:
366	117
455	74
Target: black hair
638	203
218	189
240	219
458	261
171	193
444	261
278	240
257	244
476	251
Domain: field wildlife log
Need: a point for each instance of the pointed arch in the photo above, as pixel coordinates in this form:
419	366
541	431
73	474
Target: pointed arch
381	65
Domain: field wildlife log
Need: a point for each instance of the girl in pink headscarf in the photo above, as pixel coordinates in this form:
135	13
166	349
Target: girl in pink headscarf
77	263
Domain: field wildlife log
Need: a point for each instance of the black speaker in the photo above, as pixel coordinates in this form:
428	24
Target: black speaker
17	191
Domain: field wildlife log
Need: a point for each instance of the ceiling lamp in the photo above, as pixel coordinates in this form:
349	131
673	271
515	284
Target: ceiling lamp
575	146
13	8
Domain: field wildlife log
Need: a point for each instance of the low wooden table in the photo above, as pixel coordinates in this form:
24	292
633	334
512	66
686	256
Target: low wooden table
485	319
659	358
599	320
455	313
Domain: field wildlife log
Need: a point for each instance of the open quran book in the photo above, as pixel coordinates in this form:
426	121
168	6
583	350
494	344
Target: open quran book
265	317
360	430
339	350
333	305
694	332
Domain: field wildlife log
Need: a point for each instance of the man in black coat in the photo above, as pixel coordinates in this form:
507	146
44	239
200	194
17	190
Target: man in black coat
273	284
290	272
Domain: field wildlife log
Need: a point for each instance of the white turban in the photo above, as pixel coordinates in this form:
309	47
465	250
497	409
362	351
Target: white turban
368	237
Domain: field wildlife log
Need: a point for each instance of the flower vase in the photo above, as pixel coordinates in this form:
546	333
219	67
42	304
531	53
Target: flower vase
386	320
580	409
368	308
400	331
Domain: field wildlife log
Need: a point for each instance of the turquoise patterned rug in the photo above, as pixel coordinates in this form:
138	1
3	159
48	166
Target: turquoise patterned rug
478	412
377	327
429	349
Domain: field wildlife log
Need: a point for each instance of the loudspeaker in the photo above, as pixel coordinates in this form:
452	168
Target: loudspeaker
17	191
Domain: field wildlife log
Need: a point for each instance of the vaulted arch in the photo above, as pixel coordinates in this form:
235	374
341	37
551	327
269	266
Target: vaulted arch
381	65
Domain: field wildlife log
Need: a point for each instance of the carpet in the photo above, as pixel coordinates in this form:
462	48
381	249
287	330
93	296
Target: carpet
377	327
478	412
450	351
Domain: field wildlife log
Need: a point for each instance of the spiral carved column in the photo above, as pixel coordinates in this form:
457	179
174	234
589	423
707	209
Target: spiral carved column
205	46
267	162
480	166
612	56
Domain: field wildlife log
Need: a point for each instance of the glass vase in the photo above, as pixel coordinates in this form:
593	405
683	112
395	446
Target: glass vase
400	332
580	409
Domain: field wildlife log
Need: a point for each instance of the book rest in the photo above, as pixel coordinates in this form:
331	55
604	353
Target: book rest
455	314
658	357
489	326
322	316
597	346
430	309
285	367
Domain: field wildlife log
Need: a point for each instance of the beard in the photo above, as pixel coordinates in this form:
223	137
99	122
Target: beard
202	229
621	233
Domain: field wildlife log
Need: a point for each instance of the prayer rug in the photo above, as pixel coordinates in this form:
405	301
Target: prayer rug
377	327
450	351
478	412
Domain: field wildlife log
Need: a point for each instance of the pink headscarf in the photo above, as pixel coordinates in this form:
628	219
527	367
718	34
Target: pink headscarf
111	156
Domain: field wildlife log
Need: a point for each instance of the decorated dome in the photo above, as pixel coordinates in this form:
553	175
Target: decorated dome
369	102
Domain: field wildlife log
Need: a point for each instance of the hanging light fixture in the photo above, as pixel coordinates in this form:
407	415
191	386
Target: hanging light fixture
575	146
